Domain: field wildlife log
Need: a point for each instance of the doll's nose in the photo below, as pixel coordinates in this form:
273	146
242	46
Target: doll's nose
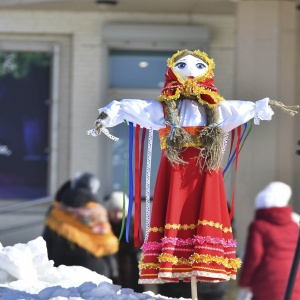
192	73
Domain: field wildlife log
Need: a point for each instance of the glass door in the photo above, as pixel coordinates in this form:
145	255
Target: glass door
24	124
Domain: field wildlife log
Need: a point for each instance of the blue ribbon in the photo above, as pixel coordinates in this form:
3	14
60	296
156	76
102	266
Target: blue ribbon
234	153
171	134
130	182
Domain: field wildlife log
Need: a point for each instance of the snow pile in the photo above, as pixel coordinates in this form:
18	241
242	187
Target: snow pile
27	274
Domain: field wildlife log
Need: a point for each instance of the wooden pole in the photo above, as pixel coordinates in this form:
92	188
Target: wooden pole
293	272
194	288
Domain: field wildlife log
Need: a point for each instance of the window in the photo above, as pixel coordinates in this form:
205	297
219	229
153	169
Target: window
24	124
138	69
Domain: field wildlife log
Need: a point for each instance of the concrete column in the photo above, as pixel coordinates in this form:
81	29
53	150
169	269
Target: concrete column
265	67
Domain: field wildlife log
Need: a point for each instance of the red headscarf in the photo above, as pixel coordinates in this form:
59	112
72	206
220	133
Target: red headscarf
200	88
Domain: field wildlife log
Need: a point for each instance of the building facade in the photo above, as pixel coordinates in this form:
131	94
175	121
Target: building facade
255	45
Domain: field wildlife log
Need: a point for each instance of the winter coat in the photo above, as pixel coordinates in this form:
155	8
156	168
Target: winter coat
63	252
270	250
127	258
77	232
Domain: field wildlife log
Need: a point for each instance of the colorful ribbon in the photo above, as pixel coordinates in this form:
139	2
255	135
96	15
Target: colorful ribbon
171	134
148	177
130	204
124	206
137	190
235	168
141	169
233	158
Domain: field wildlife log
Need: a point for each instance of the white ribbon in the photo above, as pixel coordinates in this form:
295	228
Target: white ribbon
93	132
106	132
148	175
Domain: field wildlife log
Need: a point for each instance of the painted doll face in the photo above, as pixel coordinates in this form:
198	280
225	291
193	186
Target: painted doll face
190	66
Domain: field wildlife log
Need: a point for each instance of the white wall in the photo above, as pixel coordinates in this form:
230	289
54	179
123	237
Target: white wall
79	35
266	60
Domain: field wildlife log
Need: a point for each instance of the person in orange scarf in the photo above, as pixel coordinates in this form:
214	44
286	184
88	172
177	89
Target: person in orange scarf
77	230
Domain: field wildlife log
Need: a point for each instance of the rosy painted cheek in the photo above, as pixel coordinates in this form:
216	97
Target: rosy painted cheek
198	72
182	73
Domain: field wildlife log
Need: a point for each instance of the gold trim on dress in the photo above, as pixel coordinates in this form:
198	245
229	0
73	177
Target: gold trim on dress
191	226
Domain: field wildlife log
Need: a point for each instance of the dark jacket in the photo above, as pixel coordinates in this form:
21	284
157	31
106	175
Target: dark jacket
61	247
127	258
63	252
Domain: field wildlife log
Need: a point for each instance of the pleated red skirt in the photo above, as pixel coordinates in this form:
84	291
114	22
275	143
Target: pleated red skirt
190	232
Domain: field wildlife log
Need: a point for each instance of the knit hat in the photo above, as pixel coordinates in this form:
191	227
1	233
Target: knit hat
86	180
63	189
275	194
78	197
115	201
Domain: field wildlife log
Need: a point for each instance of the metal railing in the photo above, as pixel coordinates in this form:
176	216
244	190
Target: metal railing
13	208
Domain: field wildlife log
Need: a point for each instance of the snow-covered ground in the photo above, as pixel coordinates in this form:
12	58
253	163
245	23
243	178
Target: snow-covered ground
27	274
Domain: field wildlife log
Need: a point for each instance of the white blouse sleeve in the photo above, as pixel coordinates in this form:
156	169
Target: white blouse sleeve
234	113
146	113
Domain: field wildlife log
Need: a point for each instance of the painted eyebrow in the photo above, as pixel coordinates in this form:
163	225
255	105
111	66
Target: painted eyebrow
181	60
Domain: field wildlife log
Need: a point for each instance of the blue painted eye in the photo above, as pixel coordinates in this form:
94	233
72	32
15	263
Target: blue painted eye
200	66
180	65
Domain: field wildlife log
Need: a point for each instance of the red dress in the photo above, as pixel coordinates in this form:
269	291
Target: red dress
190	232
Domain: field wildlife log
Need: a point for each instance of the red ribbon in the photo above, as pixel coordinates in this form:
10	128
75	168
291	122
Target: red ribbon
139	158
231	142
137	186
237	149
141	171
